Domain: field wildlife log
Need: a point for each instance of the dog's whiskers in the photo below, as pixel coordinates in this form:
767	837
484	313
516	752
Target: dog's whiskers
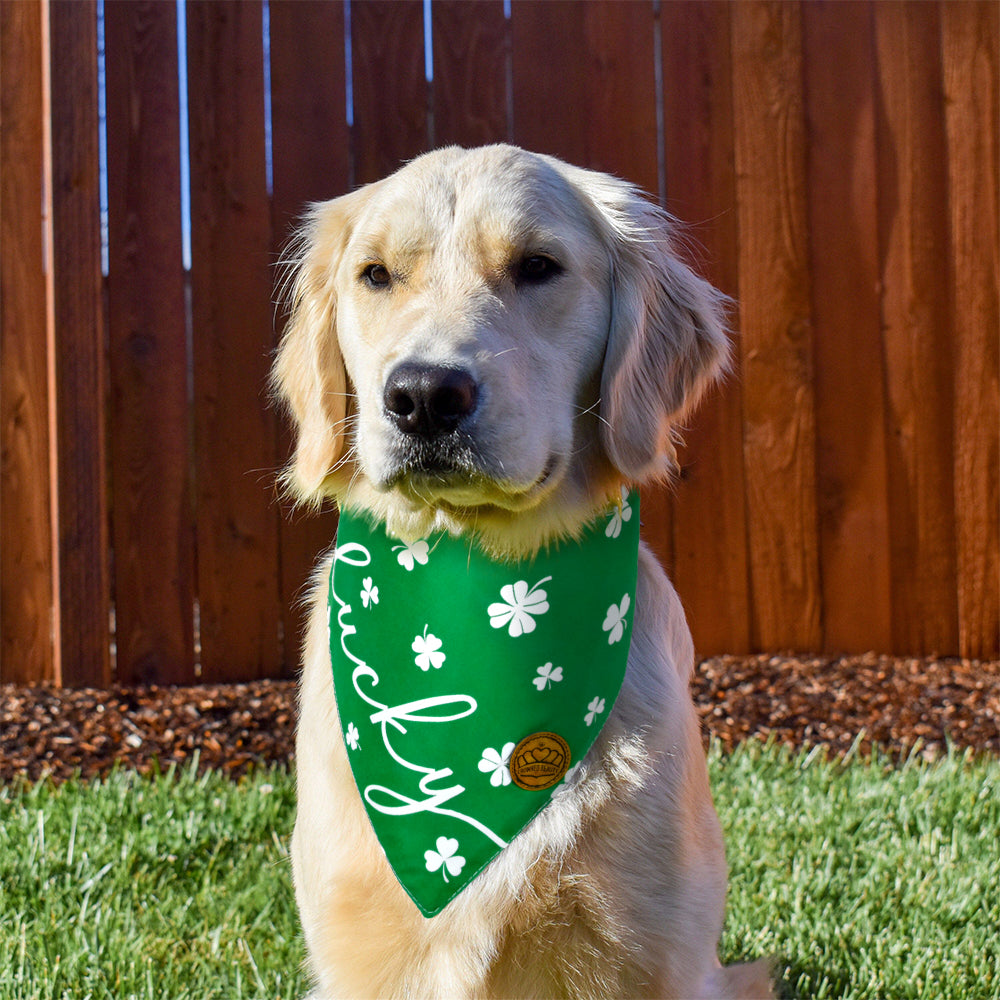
593	410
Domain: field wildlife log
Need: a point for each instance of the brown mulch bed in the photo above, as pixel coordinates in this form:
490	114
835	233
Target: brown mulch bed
897	704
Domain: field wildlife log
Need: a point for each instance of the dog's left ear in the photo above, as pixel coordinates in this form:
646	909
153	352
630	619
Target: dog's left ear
667	341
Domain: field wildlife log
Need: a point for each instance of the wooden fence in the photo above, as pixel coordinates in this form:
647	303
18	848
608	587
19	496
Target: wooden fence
839	162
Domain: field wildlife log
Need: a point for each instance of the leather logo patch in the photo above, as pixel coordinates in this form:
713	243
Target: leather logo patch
539	761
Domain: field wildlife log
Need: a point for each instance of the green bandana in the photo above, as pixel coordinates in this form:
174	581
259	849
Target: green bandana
467	687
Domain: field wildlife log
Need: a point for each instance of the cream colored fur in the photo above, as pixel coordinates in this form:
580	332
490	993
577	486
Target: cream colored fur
617	889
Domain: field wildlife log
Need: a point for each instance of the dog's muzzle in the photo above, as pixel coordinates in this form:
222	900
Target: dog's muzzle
432	407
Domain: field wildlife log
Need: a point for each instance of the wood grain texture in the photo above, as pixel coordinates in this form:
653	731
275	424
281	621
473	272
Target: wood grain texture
970	32
309	134
777	357
391	95
585	85
917	326
470	92
851	484
80	375
710	559
310	162
838	163
551	60
26	567
235	433
152	515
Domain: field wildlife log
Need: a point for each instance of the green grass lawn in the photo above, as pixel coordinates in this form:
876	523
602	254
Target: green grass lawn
862	879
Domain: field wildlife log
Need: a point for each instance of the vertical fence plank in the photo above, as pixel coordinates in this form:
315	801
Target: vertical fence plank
26	590
551	56
779	431
390	86
80	365
309	134
969	38
310	162
471	56
237	530
916	326
709	516
852	491
151	509
584	85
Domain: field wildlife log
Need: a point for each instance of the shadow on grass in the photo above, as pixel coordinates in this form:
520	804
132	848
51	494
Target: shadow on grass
801	981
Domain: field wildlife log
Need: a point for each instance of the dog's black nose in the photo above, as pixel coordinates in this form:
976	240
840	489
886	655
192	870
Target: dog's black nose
429	400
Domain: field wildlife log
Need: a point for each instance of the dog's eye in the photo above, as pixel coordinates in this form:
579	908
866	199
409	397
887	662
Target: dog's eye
377	275
537	268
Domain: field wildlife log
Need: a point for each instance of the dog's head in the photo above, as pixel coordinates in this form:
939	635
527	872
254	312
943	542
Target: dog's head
490	339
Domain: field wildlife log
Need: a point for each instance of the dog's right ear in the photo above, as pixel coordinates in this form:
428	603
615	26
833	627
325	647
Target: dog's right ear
667	341
309	374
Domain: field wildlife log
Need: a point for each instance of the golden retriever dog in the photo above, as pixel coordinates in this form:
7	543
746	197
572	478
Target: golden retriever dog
491	343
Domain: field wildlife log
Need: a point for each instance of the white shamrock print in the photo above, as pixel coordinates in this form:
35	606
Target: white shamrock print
621	514
498	762
547	676
428	650
596	707
445	858
518	605
614	620
352	737
369	592
410	555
